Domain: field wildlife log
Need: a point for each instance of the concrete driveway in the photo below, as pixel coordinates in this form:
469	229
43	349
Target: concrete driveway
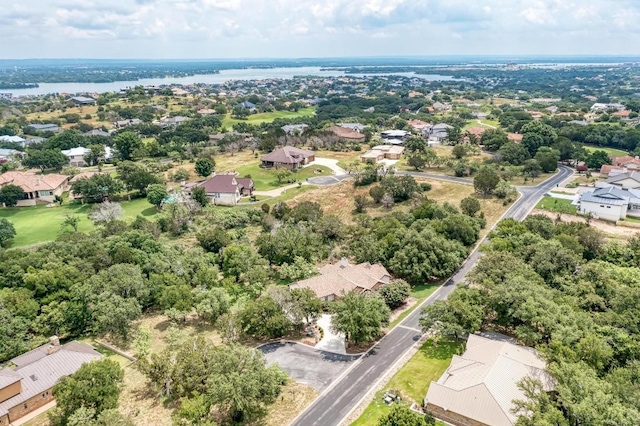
332	342
307	365
330	163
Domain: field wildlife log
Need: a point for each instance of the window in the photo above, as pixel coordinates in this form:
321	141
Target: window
24	406
216	195
608	207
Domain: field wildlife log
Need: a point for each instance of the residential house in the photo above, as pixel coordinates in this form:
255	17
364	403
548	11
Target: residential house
395	137
83	100
578	122
479	387
28	385
605	107
37	188
382	152
295	129
609	203
6	154
289	157
45	127
437	133
168	122
246	105
354	126
343	277
76	155
97	132
440	107
480	115
126	123
627	180
346	133
418	125
515	137
225	189
13	139
624	114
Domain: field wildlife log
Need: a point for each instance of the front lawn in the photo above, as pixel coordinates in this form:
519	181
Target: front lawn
611	151
41	224
265	179
558	205
412	381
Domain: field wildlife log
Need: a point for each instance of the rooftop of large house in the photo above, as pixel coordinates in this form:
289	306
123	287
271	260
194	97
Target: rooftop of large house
482	383
346	132
38	370
225	184
287	155
31	182
343	277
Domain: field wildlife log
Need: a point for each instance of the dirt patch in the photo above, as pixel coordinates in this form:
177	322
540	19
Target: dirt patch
293	399
606	227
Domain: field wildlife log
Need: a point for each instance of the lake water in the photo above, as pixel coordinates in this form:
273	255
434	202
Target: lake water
223	76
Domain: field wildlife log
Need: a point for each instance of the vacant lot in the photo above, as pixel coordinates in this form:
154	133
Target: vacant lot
611	151
268	117
265	179
413	380
556	205
40	224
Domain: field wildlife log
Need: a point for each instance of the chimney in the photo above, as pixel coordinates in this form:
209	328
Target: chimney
54	341
344	262
51	349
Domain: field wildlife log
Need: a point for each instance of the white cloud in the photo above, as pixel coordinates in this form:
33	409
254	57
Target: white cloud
250	28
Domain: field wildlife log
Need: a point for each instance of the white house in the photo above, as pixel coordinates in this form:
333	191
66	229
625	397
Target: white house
394	137
224	189
76	155
609	203
627	180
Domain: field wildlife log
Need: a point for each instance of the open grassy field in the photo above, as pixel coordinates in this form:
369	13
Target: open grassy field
611	151
40	224
413	379
268	117
557	205
264	179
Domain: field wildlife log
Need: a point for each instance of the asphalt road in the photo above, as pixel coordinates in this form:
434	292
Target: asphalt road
336	402
307	365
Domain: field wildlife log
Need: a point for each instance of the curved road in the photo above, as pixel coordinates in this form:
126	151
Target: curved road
344	394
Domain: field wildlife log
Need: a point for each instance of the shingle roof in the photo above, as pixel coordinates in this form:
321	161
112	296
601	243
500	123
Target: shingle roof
343	277
225	184
287	155
346	133
622	176
39	372
483	383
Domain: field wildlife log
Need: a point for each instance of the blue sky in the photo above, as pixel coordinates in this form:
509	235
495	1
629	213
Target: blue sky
306	28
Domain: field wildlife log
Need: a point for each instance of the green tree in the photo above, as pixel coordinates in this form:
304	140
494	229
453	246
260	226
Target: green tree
70	221
241	385
204	167
359	316
395	293
470	206
211	304
417	162
136	177
199	195
213	239
156	193
459	151
415	144
282	174
548	159
96	386
513	153
97	188
10	195
486	181
95	154
264	318
401	415
7	231
45	159
460	314
531	168
597	159
127	143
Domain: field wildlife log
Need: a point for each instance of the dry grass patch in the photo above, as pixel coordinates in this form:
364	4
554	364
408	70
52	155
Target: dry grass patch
293	399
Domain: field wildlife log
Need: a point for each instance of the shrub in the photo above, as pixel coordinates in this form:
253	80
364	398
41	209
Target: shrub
425	186
395	293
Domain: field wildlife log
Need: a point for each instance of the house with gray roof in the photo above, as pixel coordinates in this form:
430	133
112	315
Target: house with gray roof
27	385
45	127
627	180
224	189
83	100
609	203
480	385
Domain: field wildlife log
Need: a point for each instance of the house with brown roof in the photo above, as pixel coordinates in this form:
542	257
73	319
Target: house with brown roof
38	188
626	161
225	189
479	387
346	133
343	277
290	157
27	385
515	137
381	152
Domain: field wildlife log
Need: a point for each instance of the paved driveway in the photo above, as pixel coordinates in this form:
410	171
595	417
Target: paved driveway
331	341
307	365
330	163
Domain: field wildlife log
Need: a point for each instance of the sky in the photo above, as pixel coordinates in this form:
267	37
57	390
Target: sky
181	29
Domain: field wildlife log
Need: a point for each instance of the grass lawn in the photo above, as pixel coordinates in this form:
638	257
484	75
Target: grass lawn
558	205
413	379
611	151
268	117
264	179
40	224
420	293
